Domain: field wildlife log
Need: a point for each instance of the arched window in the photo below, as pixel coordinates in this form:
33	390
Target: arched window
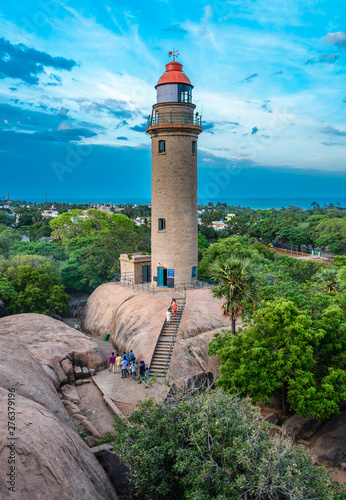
162	224
194	147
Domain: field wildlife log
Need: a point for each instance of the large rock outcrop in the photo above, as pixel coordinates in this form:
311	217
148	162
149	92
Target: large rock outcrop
328	445
190	357
134	320
77	307
51	460
51	341
19	370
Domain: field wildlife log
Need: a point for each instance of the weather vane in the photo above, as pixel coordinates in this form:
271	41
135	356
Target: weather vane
174	53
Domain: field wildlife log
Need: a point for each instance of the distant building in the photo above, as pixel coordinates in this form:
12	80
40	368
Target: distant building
46	239
219	225
230	216
103	208
139	221
25	238
50	213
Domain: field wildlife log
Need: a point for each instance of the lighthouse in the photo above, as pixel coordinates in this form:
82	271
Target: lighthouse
174	127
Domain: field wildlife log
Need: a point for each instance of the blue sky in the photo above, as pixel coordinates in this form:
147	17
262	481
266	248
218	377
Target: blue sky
77	80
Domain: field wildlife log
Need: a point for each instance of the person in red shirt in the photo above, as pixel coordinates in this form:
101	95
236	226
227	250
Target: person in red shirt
112	362
174	307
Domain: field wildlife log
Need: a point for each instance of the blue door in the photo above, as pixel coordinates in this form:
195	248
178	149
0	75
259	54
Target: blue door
161	276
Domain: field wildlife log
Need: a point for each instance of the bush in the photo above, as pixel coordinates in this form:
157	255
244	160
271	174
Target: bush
30	284
283	351
213	445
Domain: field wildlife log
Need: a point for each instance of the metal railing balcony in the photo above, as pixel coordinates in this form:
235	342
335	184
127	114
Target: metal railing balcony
128	279
173	117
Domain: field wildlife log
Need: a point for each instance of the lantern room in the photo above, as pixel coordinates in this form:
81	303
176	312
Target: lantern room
174	85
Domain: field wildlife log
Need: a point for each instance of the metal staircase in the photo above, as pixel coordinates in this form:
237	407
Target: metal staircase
164	347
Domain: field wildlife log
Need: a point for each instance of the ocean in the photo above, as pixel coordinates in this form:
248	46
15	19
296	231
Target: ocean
255	203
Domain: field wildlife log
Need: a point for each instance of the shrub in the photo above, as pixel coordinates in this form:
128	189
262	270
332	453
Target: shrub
213	445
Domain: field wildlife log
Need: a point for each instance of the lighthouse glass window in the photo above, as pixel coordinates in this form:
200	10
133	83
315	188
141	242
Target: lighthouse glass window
184	93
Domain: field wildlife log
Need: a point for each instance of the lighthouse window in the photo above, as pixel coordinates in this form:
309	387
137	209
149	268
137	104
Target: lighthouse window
194	147
184	93
162	224
162	146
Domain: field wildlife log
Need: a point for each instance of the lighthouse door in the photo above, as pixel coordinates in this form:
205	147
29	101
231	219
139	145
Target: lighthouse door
161	276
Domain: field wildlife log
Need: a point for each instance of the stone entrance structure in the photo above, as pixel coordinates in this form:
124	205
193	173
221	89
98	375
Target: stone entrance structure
135	268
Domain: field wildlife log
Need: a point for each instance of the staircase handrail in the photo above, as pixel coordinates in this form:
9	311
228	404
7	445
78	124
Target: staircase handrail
175	331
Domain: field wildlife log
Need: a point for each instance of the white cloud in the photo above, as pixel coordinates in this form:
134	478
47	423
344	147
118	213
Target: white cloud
337	38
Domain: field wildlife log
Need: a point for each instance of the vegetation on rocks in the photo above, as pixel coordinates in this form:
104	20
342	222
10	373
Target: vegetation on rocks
213	446
282	352
294	343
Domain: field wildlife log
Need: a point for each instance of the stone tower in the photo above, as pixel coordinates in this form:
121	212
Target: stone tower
174	128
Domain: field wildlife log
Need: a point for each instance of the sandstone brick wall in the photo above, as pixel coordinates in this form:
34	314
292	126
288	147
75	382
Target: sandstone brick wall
131	269
174	195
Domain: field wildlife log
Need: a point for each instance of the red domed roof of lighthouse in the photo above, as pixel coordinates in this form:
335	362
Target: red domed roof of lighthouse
174	74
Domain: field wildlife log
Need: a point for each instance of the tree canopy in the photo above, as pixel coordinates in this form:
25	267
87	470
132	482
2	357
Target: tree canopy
213	446
31	284
283	351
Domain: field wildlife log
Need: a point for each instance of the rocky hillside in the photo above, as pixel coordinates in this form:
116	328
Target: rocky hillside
51	459
134	320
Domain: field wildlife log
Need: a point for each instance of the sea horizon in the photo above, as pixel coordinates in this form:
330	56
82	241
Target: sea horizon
255	203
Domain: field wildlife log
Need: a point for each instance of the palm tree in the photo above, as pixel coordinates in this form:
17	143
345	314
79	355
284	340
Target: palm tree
236	283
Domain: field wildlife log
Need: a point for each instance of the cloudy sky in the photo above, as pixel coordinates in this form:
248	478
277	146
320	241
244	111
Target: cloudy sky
77	80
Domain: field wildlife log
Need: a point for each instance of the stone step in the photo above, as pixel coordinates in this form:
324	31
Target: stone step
159	357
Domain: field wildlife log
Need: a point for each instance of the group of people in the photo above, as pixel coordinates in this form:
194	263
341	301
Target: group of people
128	365
172	308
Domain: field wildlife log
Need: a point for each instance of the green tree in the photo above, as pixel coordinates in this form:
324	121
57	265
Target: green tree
235	283
27	216
36	285
209	217
53	250
213	446
341	278
209	232
6	219
202	241
7	238
282	353
339	261
328	278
